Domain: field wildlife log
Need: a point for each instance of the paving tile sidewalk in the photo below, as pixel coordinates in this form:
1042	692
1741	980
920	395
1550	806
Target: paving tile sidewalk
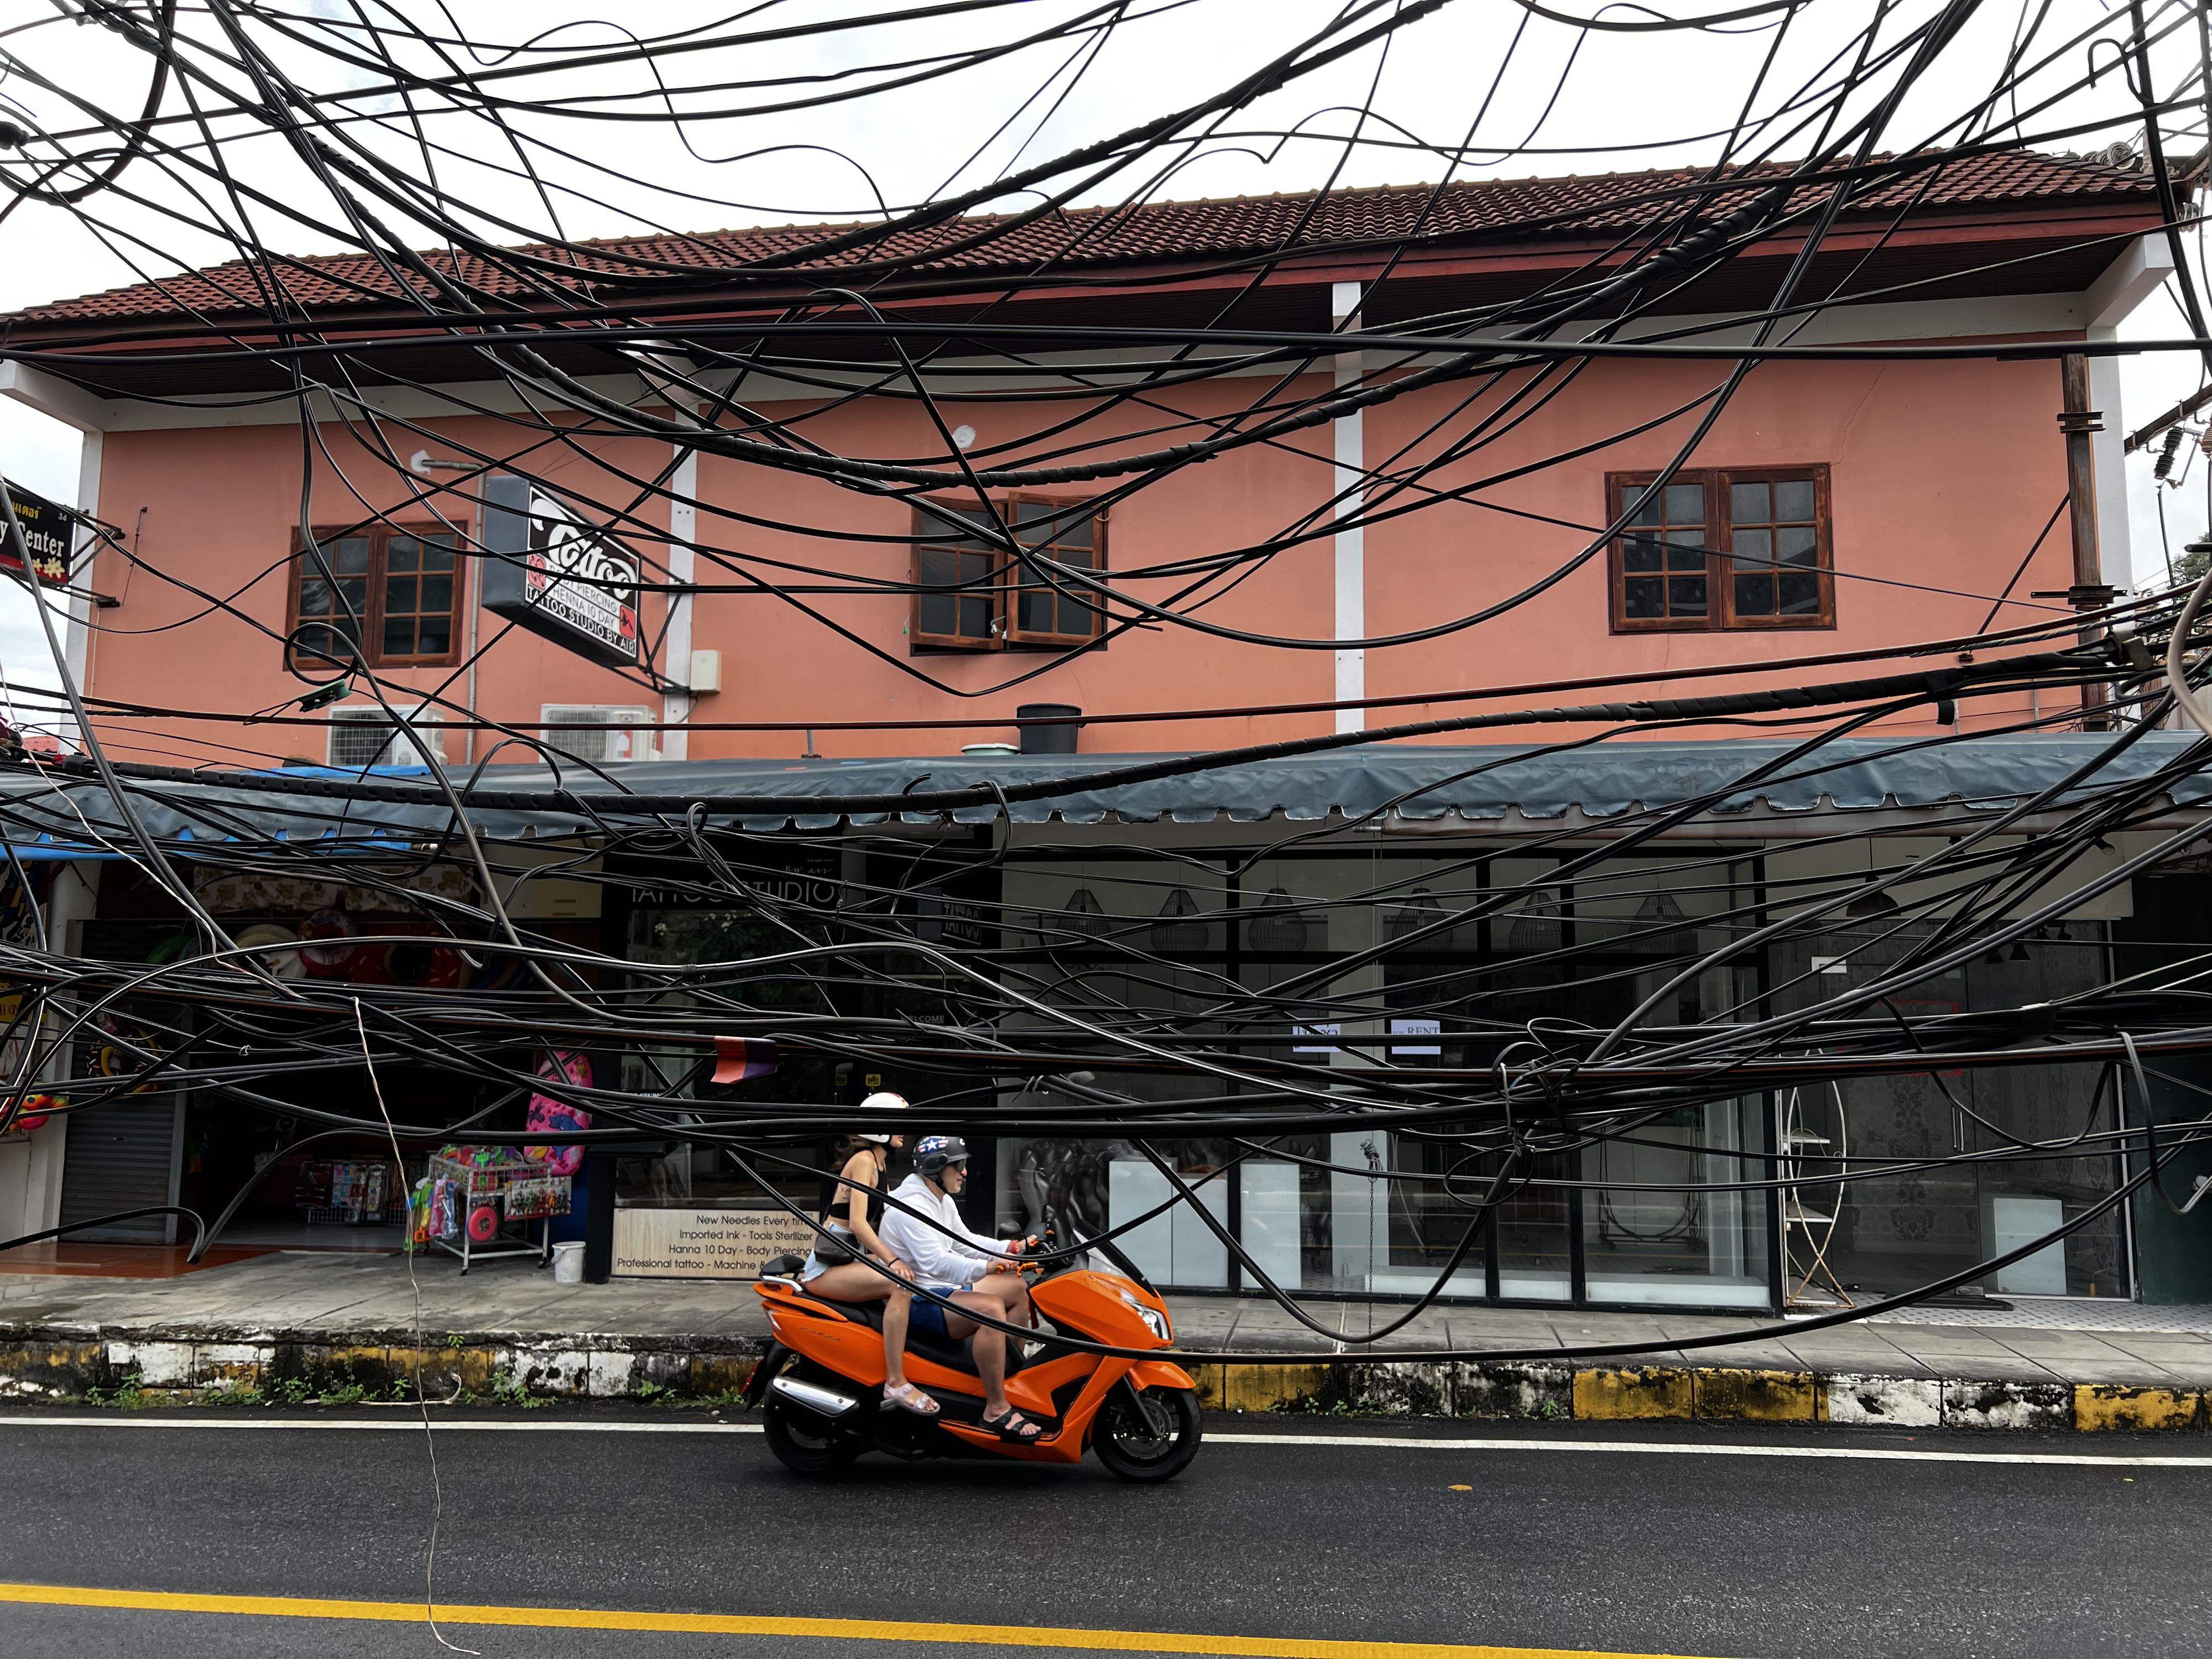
355	1301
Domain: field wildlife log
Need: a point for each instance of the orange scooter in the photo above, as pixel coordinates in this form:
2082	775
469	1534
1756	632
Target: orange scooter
820	1384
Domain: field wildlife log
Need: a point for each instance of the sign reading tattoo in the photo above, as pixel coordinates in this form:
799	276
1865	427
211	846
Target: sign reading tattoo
556	575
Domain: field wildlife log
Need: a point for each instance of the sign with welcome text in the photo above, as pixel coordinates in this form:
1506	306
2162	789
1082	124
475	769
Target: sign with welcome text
562	579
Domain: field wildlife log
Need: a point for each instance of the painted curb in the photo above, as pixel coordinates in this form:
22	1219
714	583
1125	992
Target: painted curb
61	1367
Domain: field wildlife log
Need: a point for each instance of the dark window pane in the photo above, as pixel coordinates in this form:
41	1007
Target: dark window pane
933	613
1036	611
434	637
1686	503
1748	503
1077	533
348	554
1686	596
1753	546
355	592
1643	596
314	596
403	553
1686	558
1754	596
975	617
1031	512
1637	553
1800	593
399	636
1800	544
937	565
1077	617
1643	505
438	594
1793	500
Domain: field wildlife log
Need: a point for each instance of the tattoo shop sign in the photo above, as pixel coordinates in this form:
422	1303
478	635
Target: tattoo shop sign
47	533
554	573
704	1243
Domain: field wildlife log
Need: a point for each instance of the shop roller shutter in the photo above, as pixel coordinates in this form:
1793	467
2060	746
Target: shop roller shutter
123	1156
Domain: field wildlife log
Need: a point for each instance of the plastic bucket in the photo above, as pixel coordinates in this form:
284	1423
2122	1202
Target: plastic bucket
568	1263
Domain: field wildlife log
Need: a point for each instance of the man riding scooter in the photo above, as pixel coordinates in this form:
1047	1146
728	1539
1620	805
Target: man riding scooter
975	1272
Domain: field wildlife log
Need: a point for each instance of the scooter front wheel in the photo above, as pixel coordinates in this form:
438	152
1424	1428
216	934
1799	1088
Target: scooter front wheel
1147	1435
803	1442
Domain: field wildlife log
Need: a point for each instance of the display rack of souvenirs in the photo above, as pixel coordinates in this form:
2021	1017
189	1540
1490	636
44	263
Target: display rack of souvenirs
479	1202
348	1191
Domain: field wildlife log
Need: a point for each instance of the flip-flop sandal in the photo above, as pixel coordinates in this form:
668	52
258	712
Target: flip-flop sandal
908	1398
1009	1428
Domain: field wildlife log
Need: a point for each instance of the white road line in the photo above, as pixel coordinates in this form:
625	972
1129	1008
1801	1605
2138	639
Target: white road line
1875	1453
1683	1448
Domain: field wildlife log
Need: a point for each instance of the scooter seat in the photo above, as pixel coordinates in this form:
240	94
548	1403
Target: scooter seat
960	1355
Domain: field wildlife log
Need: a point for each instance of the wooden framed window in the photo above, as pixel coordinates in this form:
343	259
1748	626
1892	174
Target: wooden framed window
1723	548
971	594
400	588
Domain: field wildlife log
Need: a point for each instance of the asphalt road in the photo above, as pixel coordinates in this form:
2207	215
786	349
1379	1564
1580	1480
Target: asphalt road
1538	1545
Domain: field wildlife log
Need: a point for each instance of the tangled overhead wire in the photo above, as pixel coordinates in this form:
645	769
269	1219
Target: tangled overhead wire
1389	1052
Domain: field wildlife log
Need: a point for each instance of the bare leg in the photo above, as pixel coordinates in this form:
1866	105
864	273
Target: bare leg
990	1348
851	1282
896	1306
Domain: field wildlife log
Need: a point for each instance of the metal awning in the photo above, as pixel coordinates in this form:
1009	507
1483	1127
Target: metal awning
1419	782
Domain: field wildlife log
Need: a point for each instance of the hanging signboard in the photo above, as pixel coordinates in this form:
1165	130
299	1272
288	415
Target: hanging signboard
47	532
556	575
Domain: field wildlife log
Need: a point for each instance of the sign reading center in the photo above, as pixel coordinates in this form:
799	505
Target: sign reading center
703	1243
556	575
45	531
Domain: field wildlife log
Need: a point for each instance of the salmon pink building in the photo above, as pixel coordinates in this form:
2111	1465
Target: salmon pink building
1829	506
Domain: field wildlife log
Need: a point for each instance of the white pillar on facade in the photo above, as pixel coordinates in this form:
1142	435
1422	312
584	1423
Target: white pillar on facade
683	532
1347	483
2126	284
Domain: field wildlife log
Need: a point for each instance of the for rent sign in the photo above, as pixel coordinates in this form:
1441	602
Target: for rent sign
556	575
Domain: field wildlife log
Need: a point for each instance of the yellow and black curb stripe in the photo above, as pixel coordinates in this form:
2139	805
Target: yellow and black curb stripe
44	1367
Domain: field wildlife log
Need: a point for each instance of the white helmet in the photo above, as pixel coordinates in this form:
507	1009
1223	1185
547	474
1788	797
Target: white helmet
882	1101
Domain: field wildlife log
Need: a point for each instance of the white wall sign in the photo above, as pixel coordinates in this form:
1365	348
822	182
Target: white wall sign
703	1243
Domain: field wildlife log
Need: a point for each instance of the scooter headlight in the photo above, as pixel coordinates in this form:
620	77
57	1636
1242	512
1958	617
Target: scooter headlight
1155	1321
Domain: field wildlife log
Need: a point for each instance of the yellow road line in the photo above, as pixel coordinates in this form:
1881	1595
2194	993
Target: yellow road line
715	1624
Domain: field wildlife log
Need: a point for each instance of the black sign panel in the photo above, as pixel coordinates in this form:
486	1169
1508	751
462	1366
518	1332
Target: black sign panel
46	529
560	577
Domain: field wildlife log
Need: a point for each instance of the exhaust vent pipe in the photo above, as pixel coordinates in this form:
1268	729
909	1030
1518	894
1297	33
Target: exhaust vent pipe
822	1402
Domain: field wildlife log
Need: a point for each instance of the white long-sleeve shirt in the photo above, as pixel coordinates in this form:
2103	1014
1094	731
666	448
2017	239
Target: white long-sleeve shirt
962	1258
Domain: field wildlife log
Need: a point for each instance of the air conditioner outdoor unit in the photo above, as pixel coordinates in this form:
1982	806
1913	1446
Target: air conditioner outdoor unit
604	747
364	735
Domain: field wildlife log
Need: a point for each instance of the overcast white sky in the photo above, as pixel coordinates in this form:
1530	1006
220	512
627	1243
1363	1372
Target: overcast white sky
1600	102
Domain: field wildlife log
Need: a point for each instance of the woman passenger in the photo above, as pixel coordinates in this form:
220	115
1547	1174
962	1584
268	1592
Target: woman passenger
836	1270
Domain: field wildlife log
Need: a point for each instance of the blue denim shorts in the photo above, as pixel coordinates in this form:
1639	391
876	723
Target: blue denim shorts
926	1316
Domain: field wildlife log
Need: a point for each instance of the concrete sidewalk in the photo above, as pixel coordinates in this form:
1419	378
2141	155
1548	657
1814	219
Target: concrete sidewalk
303	1324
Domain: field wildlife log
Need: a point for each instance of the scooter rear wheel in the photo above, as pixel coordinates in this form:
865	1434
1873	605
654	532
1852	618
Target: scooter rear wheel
1147	1435
803	1442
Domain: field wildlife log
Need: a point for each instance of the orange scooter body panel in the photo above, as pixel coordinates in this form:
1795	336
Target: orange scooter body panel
1159	1374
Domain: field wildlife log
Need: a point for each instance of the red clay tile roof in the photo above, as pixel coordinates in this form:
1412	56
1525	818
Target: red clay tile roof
1090	238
